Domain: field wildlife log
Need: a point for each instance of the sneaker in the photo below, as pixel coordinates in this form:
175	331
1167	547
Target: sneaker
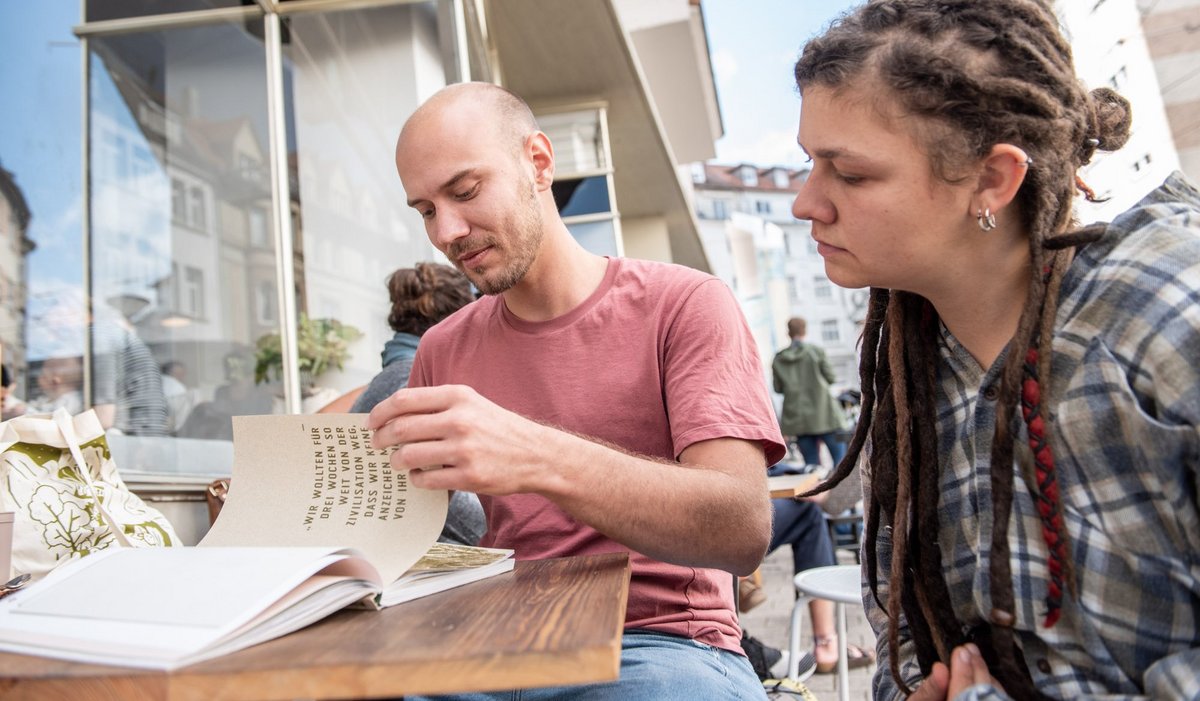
806	668
762	657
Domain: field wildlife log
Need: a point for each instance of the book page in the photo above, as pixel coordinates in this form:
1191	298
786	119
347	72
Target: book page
315	480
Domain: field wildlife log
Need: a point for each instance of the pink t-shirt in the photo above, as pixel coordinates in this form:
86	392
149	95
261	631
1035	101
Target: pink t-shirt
659	357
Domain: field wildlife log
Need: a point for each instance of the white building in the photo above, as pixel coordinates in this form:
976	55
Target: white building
1172	31
770	260
1111	49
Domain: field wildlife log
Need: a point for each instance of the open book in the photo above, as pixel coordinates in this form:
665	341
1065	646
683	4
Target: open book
315	520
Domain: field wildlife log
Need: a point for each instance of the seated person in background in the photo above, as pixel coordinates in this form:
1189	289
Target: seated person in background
801	524
595	404
180	398
127	386
60	381
10	406
421	297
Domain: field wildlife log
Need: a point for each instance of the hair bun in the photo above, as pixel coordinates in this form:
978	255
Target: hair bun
1112	118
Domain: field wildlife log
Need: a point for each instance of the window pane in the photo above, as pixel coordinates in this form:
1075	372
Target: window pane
41	264
582	196
598	237
180	173
355	78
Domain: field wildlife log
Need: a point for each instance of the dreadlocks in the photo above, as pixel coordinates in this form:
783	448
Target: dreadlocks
974	74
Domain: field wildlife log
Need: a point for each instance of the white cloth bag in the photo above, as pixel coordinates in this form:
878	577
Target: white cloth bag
58	477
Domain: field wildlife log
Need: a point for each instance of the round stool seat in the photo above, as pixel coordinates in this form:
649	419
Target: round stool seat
840	583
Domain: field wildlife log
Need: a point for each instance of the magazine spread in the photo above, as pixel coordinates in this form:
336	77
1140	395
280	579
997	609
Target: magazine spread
315	520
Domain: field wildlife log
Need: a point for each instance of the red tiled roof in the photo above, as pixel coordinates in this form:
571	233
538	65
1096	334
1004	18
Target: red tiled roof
727	177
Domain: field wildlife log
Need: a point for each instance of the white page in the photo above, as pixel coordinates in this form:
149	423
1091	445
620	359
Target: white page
314	480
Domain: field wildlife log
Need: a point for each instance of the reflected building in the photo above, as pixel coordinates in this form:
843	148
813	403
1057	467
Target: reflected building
770	260
15	246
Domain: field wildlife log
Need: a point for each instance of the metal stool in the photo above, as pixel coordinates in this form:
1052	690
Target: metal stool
841	584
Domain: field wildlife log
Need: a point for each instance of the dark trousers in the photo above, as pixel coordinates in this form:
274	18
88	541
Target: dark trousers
801	524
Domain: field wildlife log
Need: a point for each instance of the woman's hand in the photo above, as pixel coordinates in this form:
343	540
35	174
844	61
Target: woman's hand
967	669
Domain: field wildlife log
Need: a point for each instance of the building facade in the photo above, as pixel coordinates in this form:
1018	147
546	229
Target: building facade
770	260
1115	44
212	179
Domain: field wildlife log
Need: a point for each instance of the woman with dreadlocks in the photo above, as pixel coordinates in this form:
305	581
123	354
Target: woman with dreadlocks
1031	389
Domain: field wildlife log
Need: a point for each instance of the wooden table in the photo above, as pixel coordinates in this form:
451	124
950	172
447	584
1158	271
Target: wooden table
791	485
549	622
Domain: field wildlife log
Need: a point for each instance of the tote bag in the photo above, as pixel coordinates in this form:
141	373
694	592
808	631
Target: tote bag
58	478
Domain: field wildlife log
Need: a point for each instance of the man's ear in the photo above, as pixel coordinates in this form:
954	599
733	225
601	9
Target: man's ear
1003	171
541	155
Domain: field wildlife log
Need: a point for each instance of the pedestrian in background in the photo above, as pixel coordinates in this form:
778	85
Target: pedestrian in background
810	413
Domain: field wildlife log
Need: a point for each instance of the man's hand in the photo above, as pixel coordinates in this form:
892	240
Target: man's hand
708	509
967	668
484	448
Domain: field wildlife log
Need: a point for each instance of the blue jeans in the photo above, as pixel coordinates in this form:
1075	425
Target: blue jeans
810	447
654	667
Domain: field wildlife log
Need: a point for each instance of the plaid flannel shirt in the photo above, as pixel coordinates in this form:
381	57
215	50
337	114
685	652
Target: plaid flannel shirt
1124	401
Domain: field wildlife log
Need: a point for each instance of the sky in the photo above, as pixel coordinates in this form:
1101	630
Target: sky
754	44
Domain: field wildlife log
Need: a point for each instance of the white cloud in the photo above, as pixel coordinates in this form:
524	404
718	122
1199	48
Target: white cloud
771	147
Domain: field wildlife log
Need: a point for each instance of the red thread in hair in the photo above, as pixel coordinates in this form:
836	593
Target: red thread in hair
1047	483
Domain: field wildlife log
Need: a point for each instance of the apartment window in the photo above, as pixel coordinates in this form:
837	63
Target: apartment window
197	208
256	220
781	179
583	177
748	175
719	210
829	331
264	303
762	207
178	201
793	288
821	288
193	292
698	175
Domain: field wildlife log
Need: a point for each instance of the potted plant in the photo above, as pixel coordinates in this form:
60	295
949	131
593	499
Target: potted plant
322	345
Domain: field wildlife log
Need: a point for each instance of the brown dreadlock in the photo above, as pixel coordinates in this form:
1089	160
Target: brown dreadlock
976	73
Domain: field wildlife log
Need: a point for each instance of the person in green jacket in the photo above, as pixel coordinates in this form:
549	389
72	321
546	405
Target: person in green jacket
810	413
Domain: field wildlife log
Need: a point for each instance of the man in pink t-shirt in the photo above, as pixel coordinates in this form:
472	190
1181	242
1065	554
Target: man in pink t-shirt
594	404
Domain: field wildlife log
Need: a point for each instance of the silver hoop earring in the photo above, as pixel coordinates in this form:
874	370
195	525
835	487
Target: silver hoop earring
987	220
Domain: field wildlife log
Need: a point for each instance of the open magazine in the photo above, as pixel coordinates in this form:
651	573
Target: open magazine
315	520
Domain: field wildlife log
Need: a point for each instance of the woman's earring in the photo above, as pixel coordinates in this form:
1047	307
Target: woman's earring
987	220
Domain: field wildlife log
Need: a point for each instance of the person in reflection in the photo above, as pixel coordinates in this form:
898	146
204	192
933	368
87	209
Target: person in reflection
60	381
127	390
422	296
181	399
10	405
595	404
1031	390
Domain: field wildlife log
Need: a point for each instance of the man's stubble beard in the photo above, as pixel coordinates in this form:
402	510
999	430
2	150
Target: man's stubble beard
526	233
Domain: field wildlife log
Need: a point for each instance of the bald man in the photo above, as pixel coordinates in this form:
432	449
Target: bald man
595	404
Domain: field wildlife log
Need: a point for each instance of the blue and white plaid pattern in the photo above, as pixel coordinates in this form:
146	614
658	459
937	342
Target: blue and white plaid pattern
1124	402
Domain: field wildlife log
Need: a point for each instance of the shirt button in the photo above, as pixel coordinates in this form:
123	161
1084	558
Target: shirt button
991	393
1043	666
